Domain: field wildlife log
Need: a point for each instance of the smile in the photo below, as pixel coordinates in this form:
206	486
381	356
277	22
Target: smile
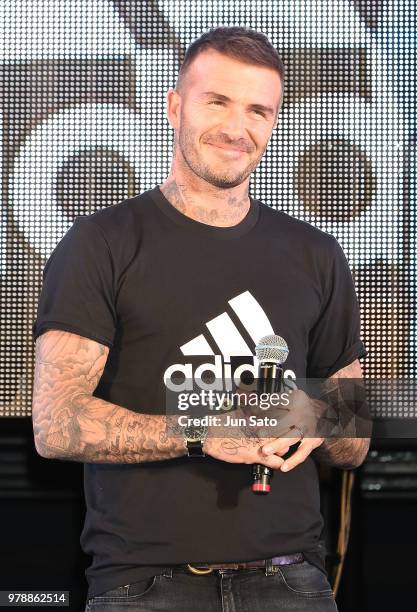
228	150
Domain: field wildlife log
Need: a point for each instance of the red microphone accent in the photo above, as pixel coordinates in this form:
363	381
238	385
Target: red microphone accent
259	487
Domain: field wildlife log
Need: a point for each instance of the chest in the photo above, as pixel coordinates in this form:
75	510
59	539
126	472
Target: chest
197	301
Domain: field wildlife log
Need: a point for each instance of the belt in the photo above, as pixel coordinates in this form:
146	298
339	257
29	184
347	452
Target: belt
207	568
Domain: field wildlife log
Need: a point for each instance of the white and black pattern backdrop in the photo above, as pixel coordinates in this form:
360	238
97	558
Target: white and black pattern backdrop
83	86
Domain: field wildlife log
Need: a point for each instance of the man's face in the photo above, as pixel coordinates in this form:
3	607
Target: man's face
226	116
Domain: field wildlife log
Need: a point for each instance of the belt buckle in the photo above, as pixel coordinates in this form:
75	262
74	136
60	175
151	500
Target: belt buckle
199	572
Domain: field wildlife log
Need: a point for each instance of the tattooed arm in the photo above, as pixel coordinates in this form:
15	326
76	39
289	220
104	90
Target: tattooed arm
345	453
70	424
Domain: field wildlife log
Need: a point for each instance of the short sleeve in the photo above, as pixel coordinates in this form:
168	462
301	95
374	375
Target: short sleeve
77	288
334	340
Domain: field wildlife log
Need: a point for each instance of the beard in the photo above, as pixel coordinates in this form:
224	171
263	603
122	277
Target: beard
223	177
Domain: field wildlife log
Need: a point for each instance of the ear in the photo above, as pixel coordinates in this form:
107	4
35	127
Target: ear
173	100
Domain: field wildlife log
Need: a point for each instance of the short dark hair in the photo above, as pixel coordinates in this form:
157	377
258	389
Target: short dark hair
244	44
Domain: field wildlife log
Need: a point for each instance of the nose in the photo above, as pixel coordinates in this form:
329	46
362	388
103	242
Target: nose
234	125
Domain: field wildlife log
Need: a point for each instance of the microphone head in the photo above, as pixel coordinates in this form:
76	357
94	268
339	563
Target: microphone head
272	348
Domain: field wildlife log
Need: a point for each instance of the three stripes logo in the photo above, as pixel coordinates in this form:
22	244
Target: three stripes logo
222	341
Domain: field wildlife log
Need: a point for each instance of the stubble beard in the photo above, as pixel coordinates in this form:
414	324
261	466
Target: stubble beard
223	179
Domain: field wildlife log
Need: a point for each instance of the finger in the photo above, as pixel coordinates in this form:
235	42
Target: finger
282	450
274	462
298	457
279	445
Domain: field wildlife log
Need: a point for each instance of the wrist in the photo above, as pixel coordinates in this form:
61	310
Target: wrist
194	440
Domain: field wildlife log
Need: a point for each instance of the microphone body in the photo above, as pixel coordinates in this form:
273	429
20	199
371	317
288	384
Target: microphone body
269	377
271	351
269	381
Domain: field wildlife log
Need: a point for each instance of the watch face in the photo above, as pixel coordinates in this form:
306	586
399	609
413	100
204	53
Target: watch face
195	433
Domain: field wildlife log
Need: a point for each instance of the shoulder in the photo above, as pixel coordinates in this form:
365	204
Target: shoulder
112	234
119	226
299	232
120	215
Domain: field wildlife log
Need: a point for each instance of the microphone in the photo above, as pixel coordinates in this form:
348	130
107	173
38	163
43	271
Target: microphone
271	352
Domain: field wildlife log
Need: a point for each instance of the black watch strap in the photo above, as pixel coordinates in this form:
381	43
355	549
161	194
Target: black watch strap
195	448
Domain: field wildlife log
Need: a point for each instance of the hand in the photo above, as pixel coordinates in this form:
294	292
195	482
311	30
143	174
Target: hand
239	443
302	417
306	446
297	422
241	450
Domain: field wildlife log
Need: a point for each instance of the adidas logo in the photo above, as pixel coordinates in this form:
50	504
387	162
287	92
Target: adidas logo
221	342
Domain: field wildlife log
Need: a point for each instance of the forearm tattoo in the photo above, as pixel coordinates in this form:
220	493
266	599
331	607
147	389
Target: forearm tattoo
346	394
69	423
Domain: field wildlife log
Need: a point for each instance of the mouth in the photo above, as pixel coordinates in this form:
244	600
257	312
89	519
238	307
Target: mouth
227	150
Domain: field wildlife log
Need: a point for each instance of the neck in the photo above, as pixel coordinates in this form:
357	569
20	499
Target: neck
221	208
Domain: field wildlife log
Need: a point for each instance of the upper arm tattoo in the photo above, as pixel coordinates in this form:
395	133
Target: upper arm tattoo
67	366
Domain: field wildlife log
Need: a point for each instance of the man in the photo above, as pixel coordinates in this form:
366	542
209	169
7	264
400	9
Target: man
162	283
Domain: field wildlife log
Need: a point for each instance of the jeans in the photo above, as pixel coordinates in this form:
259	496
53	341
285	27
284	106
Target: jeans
299	587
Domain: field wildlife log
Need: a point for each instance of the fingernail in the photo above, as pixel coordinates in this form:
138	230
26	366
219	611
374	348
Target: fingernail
267	450
285	467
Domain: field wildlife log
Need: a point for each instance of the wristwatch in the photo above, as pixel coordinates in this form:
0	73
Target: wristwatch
194	438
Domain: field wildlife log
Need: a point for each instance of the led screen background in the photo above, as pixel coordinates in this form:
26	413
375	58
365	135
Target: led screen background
84	126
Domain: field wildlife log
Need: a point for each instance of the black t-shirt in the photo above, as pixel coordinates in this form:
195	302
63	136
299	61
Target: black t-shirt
159	289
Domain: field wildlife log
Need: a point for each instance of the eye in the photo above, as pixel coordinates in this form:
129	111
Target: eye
255	110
